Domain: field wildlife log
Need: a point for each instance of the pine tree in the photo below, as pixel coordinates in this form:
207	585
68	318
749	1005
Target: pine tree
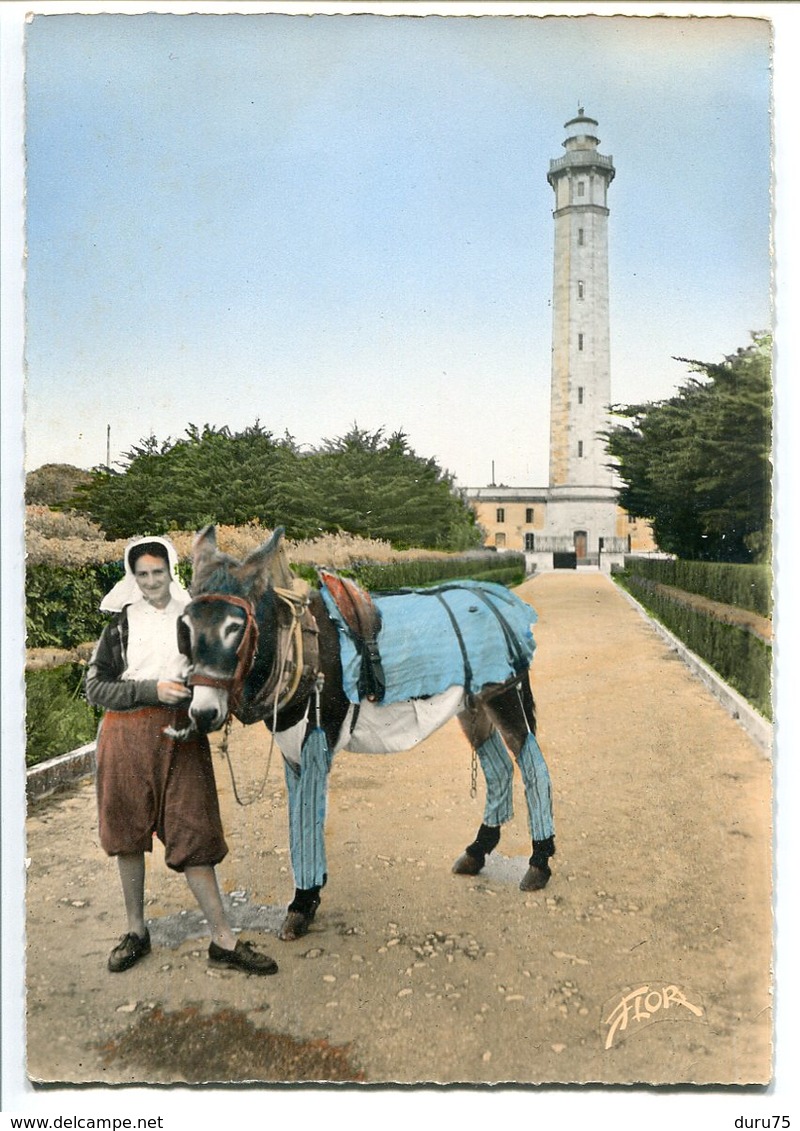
697	465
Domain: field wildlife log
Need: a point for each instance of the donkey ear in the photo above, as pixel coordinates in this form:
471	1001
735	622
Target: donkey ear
205	555
266	564
207	537
184	637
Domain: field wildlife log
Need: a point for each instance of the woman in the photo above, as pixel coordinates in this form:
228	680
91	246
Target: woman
147	782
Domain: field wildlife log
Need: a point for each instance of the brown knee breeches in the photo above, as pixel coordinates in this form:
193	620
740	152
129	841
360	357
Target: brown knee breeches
148	783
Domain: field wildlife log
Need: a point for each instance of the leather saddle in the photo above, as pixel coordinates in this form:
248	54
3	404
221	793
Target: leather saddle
363	619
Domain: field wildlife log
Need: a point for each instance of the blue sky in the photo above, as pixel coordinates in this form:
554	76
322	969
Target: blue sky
319	220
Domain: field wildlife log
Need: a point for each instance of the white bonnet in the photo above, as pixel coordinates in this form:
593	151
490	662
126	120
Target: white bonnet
126	591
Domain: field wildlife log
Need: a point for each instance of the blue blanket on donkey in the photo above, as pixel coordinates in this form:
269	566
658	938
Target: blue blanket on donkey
464	633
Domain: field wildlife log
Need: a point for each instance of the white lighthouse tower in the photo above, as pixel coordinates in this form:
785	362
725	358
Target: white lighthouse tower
576	520
581	501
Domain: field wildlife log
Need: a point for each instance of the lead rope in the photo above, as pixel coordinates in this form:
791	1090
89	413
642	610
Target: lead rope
224	750
473	781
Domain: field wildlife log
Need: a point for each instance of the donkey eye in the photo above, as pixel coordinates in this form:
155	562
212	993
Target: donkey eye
232	629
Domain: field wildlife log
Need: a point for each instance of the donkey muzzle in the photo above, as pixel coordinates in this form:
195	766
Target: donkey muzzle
209	707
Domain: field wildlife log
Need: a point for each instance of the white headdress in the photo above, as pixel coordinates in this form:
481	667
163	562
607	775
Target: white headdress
126	591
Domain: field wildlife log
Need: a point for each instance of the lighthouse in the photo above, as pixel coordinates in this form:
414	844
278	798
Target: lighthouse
581	504
576	520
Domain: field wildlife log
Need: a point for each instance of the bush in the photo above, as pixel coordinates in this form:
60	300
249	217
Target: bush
54	483
49	523
58	718
62	603
55	538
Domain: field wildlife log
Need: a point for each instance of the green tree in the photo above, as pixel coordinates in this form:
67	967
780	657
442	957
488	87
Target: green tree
209	475
378	487
697	465
362	483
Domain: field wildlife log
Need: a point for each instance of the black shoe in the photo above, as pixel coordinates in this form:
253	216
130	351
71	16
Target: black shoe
128	951
245	957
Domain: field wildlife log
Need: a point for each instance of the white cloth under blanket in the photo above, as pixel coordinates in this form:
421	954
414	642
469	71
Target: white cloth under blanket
399	726
381	729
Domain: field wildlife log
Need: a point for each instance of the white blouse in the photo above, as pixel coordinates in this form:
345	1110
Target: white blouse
153	643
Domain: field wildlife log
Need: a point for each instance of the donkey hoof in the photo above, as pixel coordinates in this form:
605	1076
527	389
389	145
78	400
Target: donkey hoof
535	879
467	865
295	925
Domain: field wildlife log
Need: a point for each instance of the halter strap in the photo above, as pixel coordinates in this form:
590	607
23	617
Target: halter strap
245	653
296	654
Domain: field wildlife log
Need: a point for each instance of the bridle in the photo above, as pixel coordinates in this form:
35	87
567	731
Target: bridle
288	667
297	654
245	653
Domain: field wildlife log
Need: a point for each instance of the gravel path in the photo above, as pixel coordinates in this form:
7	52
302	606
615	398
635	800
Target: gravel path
661	884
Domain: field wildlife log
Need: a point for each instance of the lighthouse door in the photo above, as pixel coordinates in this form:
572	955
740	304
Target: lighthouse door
580	544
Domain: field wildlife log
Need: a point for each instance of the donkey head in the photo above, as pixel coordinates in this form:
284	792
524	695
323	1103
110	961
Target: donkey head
218	630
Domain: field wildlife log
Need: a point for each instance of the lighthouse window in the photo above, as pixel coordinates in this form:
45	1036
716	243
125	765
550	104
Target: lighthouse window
580	288
580	394
580	237
580	447
581	188
580	341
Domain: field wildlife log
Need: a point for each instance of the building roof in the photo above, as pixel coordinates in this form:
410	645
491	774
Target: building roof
494	493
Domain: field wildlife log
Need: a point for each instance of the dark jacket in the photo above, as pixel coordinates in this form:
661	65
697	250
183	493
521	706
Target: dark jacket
104	685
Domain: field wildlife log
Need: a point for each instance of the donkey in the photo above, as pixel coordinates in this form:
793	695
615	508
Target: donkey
262	649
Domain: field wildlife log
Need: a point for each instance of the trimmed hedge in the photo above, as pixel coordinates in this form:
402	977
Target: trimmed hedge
741	658
745	586
62	602
377	576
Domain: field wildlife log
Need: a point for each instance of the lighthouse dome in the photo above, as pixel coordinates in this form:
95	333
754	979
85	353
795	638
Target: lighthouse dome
581	131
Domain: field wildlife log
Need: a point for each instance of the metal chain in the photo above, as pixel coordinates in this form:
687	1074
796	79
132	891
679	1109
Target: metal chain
522	708
473	785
